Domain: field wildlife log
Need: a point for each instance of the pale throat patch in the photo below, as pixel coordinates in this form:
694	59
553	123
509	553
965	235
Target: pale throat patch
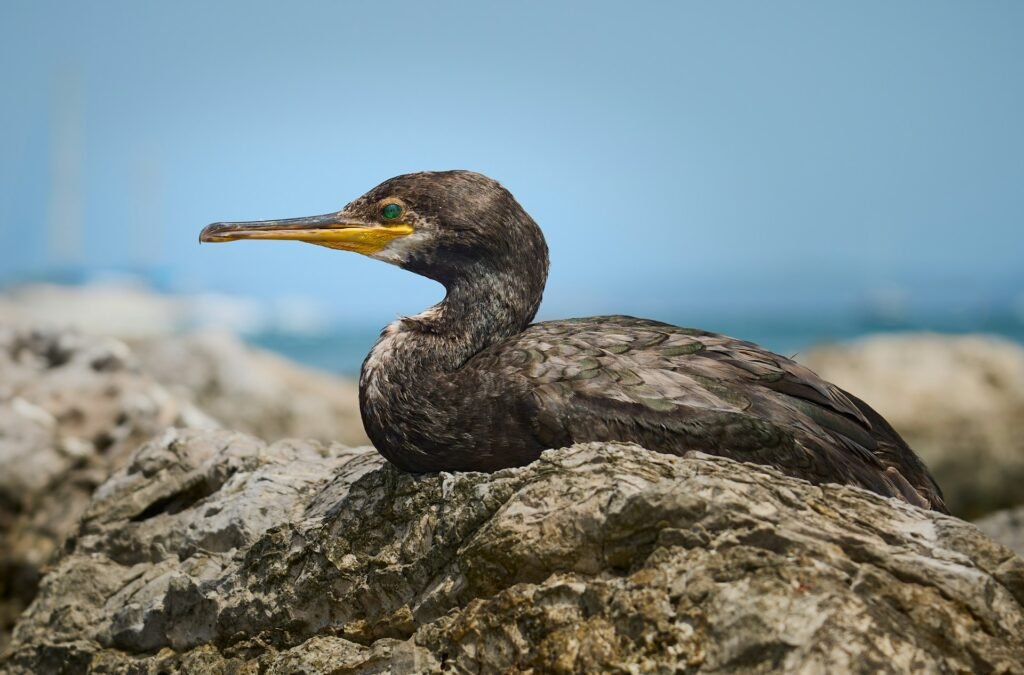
398	249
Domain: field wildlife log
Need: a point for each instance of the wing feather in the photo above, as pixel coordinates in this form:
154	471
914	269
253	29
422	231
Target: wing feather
675	389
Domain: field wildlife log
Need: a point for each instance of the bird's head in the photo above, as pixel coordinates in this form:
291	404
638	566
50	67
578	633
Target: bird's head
444	225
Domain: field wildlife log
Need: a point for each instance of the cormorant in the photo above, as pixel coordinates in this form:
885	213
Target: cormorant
471	385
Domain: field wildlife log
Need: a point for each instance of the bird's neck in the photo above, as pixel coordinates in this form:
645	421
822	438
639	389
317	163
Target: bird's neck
479	309
414	354
414	392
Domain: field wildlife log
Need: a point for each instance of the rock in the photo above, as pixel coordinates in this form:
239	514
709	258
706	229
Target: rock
212	552
957	400
130	309
72	409
1006	527
255	391
123	310
245	388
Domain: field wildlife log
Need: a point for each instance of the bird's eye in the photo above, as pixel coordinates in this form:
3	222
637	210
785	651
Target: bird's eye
390	211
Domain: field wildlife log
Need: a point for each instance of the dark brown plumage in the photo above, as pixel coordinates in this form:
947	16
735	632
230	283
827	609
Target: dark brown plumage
470	384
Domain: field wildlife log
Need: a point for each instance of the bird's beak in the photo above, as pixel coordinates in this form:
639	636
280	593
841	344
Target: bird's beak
334	230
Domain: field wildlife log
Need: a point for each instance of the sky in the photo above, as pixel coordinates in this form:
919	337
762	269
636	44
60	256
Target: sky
680	156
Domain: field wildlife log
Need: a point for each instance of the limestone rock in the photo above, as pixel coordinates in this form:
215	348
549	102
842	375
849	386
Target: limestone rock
212	552
1006	527
957	400
72	409
255	391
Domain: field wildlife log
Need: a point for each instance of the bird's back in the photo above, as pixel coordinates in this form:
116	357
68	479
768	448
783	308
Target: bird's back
675	389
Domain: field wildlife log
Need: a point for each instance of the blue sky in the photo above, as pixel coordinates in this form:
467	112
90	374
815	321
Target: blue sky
679	155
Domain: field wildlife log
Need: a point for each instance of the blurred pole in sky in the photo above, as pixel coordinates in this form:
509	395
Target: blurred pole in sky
64	217
146	222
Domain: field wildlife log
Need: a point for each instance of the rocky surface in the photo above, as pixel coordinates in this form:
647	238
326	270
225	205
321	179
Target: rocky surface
957	400
254	391
212	552
72	409
1006	527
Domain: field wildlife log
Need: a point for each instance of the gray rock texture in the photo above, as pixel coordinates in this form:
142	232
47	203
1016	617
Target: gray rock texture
957	400
244	388
1006	527
212	552
72	409
252	390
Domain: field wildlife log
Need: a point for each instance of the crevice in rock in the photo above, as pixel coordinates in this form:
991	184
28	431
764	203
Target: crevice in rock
177	502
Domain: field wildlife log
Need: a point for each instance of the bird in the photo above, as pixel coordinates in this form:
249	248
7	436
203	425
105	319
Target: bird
473	384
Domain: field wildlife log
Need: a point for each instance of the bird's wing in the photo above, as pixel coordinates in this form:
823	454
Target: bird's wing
675	389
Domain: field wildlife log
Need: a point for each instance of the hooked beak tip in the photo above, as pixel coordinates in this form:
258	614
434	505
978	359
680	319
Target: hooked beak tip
216	232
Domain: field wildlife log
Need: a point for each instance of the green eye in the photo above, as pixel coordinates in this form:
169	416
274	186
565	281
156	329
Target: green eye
391	211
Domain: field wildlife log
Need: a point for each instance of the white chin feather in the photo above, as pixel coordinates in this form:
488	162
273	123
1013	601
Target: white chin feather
398	250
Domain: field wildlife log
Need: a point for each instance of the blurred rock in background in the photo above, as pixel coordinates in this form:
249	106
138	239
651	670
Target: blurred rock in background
122	310
189	344
957	400
130	308
1006	527
72	410
254	391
